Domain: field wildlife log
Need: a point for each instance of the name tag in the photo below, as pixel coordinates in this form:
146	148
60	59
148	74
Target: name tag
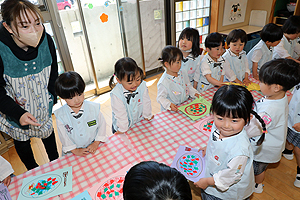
91	123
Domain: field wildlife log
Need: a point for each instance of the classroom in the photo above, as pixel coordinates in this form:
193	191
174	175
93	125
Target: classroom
186	99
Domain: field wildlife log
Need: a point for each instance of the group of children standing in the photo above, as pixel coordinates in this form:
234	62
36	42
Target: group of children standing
235	165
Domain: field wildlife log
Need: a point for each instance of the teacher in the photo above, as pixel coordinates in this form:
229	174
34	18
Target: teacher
28	70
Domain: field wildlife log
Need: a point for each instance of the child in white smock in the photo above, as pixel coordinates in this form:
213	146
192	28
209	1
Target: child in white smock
213	66
276	77
289	46
173	87
80	124
189	45
262	52
130	100
236	56
228	154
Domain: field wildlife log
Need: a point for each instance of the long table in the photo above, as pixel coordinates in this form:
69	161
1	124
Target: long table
157	140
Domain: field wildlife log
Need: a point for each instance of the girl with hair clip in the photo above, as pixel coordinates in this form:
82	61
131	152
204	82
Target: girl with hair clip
151	180
229	156
189	45
173	87
28	67
130	100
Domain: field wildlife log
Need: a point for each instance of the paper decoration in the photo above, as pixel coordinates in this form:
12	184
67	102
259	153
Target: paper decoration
4	194
47	185
205	125
83	196
234	11
196	109
251	86
190	163
104	17
110	188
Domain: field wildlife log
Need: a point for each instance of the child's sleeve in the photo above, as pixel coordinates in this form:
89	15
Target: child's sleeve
101	134
228	72
162	94
197	73
247	66
192	90
121	116
5	169
232	174
256	56
281	51
147	108
67	144
205	69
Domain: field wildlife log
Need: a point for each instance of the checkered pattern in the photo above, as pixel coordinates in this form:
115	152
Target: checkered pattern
87	171
158	139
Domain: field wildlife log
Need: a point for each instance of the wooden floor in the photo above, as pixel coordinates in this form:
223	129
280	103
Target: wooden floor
279	177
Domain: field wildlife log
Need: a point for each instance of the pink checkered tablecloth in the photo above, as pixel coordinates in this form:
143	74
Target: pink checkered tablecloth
87	171
160	138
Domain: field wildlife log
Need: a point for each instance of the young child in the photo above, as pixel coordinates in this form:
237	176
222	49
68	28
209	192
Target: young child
190	47
276	77
293	133
236	56
130	100
228	155
213	66
289	47
152	180
80	124
174	86
262	52
6	170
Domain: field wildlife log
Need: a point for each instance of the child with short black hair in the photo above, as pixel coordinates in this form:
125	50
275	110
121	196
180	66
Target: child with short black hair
228	155
151	180
189	45
130	101
289	47
80	124
262	52
236	56
213	66
276	77
173	87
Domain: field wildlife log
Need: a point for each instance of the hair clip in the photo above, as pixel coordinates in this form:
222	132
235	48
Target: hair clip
265	131
160	59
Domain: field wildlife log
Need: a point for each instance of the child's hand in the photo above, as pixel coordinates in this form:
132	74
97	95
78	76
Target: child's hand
93	147
197	95
6	181
80	152
203	149
173	107
246	81
204	182
297	127
150	118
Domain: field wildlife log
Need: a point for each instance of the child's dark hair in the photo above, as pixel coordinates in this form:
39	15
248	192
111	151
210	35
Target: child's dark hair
150	180
214	40
69	84
271	32
236	102
170	54
291	25
125	67
191	34
235	35
284	72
